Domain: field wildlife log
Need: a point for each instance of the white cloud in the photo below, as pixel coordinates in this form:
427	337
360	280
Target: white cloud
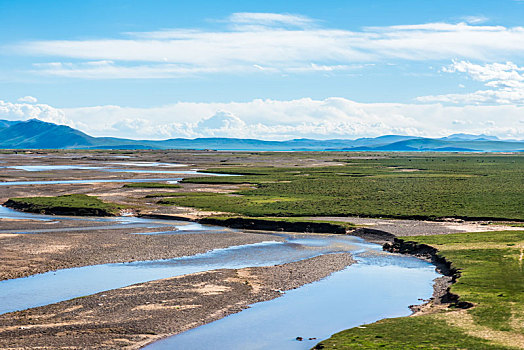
222	124
269	19
276	42
277	120
24	111
475	19
108	69
28	99
504	80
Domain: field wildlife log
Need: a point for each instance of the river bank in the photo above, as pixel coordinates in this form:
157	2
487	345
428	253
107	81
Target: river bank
67	323
442	295
490	286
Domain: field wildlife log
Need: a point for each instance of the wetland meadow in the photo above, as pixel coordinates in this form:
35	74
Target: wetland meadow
288	250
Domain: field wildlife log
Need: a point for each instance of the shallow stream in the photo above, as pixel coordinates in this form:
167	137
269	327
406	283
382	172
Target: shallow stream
380	285
119	222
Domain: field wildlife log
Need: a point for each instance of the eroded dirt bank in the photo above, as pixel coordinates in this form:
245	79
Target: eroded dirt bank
136	315
442	295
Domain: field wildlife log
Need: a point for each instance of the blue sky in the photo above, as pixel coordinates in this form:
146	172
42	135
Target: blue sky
272	69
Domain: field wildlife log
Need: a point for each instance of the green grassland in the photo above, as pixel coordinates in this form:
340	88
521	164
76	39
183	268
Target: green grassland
492	278
73	204
402	186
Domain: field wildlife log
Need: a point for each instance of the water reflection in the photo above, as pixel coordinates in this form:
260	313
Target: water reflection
360	294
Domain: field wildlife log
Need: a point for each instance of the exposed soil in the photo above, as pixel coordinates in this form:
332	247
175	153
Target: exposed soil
136	315
27	254
421	227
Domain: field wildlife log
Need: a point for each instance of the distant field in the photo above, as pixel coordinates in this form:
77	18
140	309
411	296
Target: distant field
492	279
423	186
151	185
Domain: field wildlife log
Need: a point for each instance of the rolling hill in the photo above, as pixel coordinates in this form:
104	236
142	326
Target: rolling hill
36	134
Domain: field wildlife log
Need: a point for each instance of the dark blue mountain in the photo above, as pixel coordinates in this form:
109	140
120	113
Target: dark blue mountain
36	134
7	123
469	137
439	145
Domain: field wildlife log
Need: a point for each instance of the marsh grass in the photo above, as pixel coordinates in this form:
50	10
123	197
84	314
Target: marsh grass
72	204
476	187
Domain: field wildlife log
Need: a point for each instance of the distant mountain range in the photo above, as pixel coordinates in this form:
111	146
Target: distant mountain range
36	134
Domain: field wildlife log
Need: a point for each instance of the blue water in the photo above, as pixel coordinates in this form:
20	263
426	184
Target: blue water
180	172
363	293
380	285
93	181
51	287
188	228
151	164
52	167
32	168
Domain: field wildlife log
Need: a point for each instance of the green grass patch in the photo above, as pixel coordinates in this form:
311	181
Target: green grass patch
72	204
151	185
492	278
407	333
465	186
253	205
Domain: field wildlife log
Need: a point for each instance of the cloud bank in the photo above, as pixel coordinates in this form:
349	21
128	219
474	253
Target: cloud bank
278	120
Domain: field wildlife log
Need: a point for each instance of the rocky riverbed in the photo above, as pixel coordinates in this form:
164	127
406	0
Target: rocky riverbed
28	254
133	316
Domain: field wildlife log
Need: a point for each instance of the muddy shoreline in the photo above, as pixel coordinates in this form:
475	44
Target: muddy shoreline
134	316
369	234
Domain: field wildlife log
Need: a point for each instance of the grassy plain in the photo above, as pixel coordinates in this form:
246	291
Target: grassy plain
397	185
72	204
492	278
417	186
